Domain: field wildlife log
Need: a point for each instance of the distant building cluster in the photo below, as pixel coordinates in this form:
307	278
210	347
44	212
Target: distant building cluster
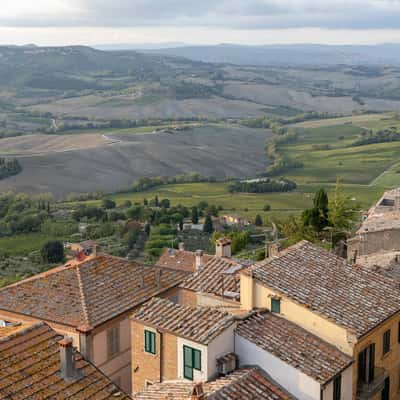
302	324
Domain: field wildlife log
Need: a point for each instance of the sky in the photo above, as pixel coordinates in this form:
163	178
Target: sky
96	22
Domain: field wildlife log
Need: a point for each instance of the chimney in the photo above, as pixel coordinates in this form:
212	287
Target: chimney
181	246
273	250
223	248
197	392
198	259
85	342
158	274
142	283
67	358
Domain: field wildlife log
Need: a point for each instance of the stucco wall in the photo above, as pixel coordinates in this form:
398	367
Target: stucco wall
294	381
224	343
297	383
197	375
389	361
347	386
260	296
118	366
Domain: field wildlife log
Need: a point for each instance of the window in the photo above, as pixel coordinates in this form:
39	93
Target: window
385	395
191	361
386	342
398	333
276	305
149	342
366	364
113	341
337	387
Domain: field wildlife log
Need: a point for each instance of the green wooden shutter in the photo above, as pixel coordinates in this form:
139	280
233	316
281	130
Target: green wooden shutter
337	387
276	306
149	342
197	359
187	363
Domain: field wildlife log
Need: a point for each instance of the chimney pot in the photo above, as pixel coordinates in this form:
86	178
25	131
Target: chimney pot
198	259
223	248
197	392
67	359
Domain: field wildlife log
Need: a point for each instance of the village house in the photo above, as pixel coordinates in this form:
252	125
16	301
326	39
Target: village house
377	241
234	220
37	363
347	306
91	302
249	383
214	280
172	341
307	366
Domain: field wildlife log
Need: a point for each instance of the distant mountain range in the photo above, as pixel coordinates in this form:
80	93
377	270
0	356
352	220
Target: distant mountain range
288	55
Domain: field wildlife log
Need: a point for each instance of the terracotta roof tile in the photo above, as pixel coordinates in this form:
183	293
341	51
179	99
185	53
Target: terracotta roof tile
200	324
89	293
181	260
30	369
245	384
294	346
14	328
212	277
349	295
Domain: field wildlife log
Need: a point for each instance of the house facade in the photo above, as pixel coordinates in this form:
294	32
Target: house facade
171	341
91	302
351	308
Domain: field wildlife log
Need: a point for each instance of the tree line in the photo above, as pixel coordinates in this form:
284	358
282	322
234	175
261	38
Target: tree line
9	167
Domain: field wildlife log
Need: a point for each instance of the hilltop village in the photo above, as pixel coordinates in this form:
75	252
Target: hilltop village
303	323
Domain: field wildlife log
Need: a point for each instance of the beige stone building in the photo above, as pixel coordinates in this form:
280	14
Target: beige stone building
347	306
91	302
377	241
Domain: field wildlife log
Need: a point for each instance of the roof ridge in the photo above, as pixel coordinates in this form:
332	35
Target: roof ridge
23	331
82	296
44	274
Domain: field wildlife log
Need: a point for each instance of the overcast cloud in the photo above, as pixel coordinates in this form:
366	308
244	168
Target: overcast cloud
238	14
223	15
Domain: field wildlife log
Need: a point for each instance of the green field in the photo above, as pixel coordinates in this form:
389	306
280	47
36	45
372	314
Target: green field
22	244
326	153
356	165
247	205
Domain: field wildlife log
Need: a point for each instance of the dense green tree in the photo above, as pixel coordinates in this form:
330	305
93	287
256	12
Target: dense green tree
208	225
52	252
317	217
165	203
108	204
195	215
258	221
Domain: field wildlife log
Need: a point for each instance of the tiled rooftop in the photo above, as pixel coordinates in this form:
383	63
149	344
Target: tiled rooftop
199	324
294	346
384	215
349	295
89	293
30	369
180	260
14	328
215	277
245	384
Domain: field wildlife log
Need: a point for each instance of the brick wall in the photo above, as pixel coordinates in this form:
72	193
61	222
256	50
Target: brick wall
148	368
187	298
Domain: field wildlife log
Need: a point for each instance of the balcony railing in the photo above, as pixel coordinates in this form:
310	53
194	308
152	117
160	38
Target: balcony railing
366	391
